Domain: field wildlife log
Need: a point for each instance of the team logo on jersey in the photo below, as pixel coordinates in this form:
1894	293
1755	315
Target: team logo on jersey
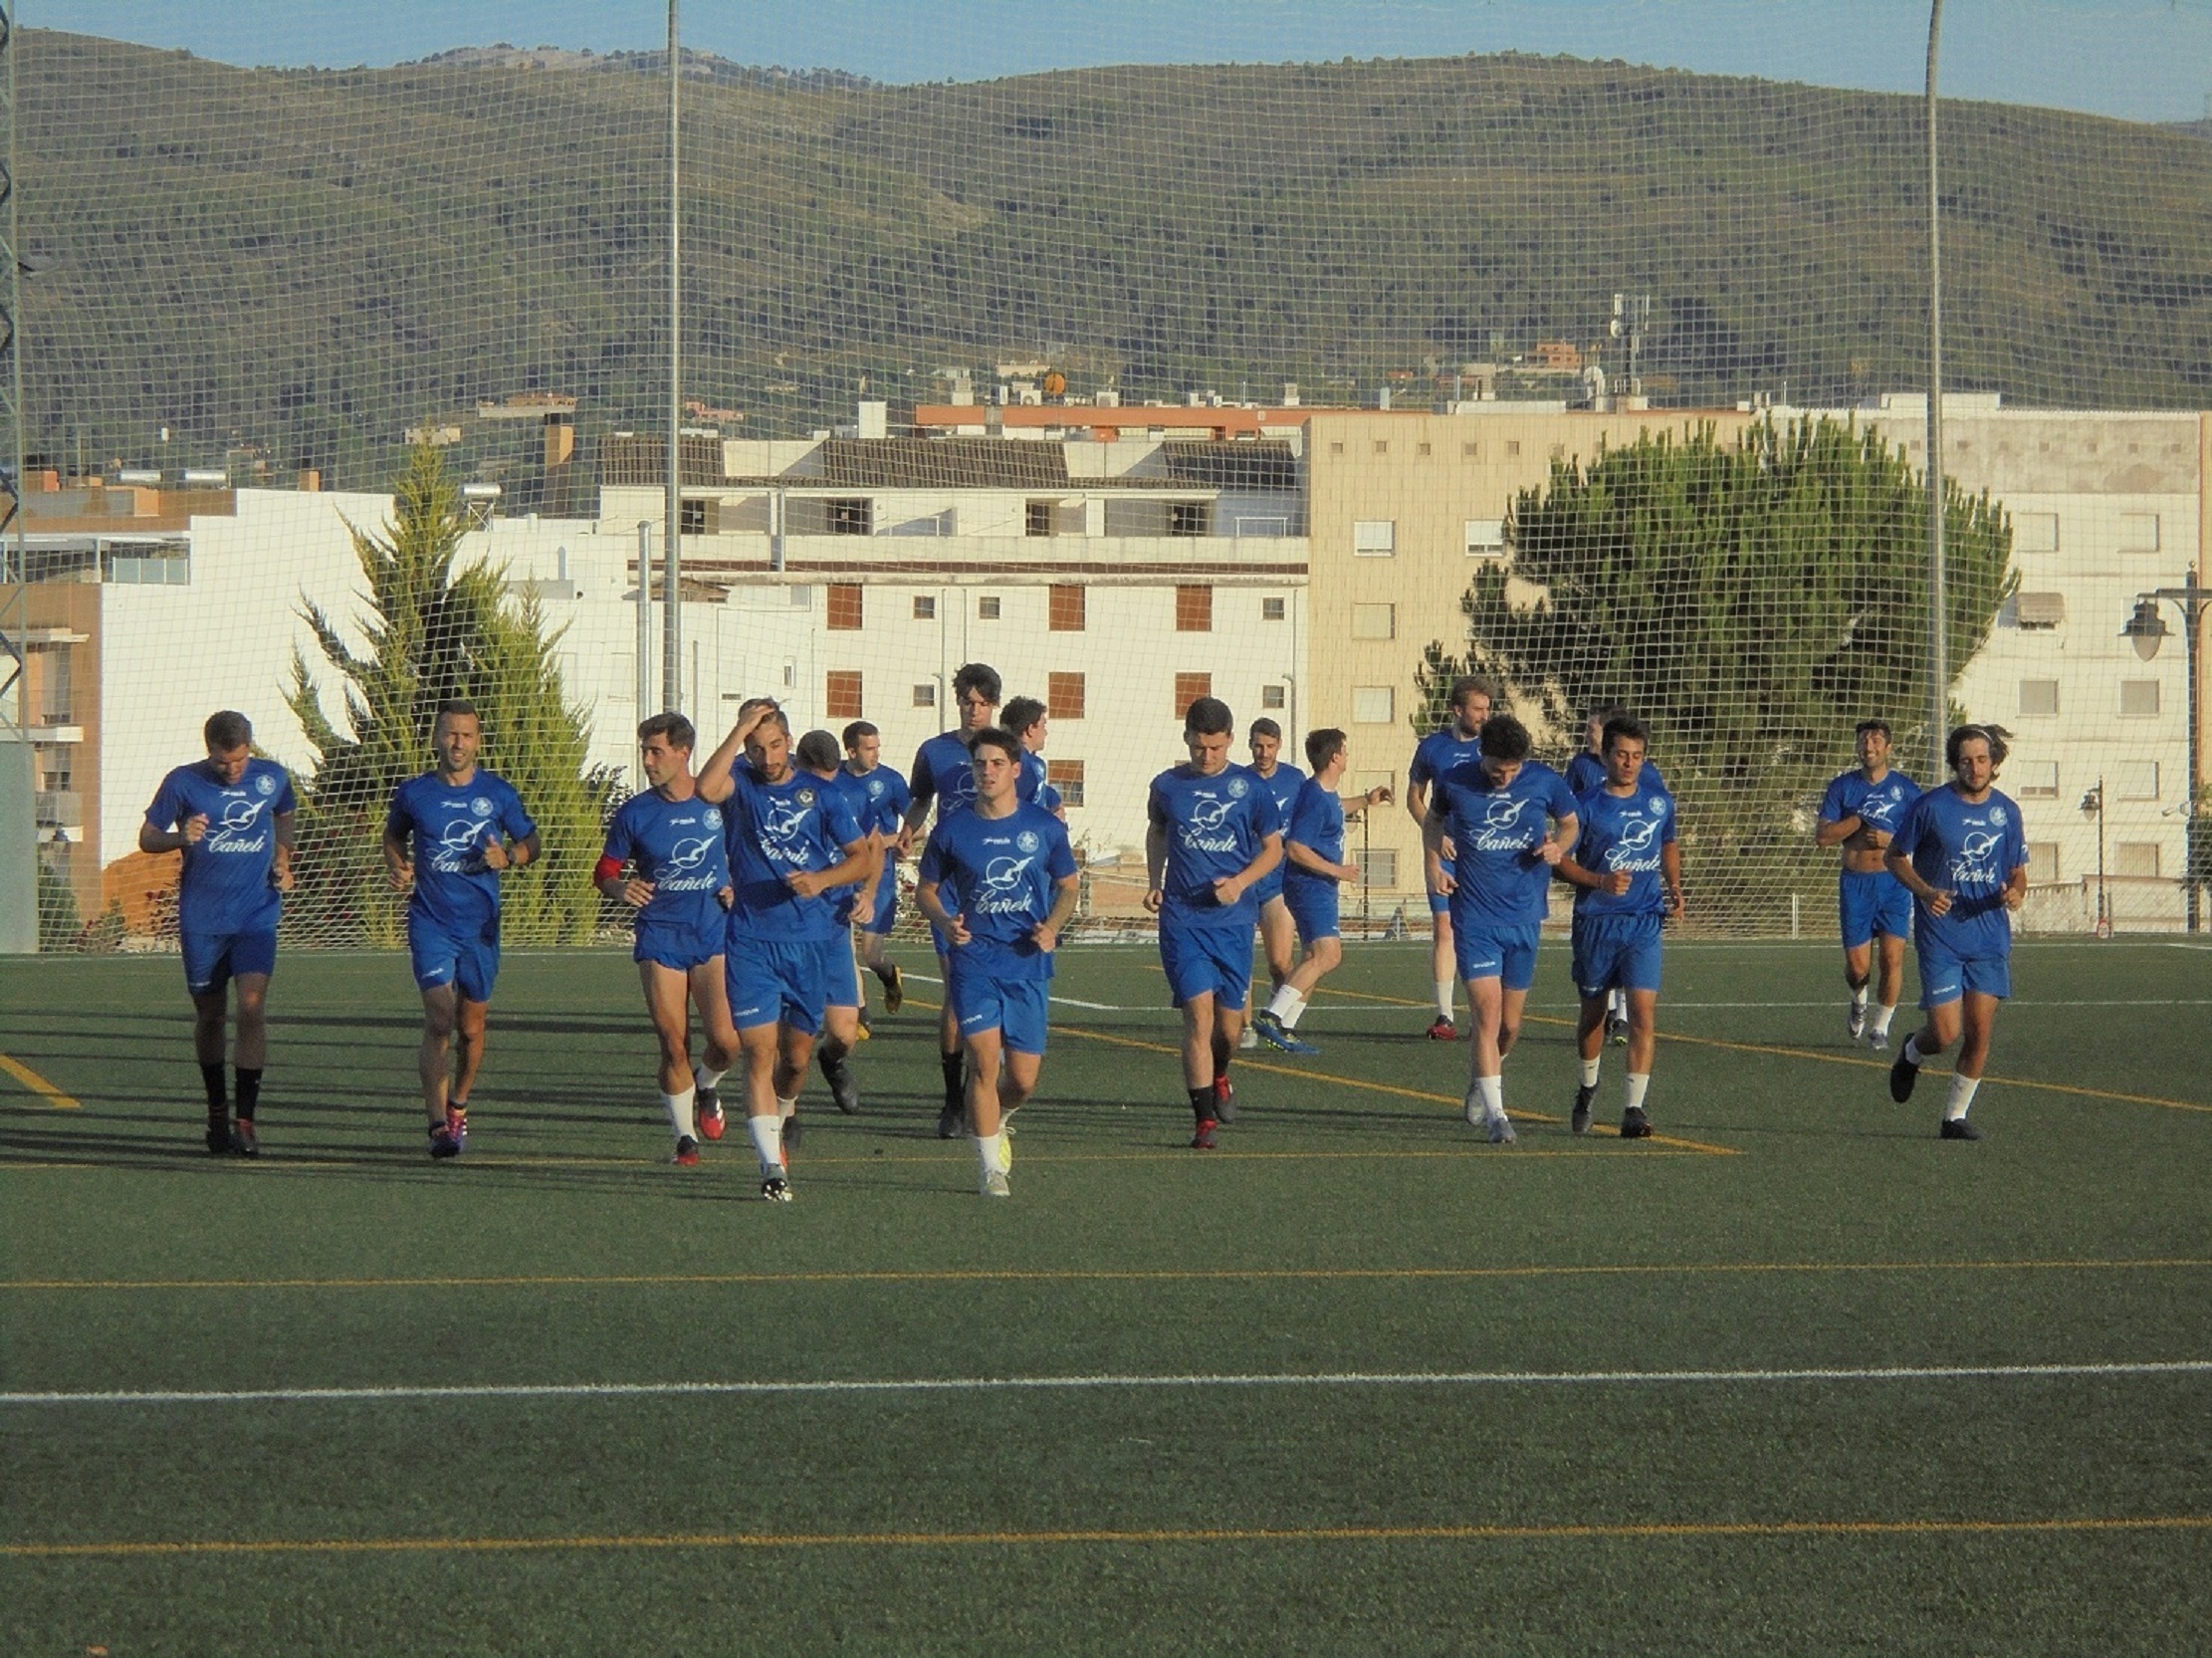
1208	813
265	784
459	835
240	818
1238	787
1004	875
806	796
1502	828
712	817
1976	861
875	789
688	854
1632	843
1997	816
1027	841
481	805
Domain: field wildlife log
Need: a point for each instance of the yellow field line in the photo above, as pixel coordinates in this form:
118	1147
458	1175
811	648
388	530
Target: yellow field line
1631	1531
36	1083
1128	1275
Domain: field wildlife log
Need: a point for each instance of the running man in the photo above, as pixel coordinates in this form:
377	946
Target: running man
451	834
679	890
852	905
1313	868
1212	833
1624	853
999	881
1278	934
887	799
1962	853
1026	718
793	841
1861	813
944	776
1585	772
230	815
1491	816
1445	751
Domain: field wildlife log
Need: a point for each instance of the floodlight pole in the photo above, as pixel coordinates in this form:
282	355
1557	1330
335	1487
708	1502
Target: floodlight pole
2193	600
672	641
1939	644
644	676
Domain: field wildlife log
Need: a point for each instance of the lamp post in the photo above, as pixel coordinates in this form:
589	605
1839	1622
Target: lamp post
2092	805
2147	630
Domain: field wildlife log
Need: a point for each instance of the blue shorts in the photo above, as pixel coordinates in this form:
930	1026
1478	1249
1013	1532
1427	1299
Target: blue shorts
1269	886
1505	952
780	980
1014	1007
470	964
1208	961
681	942
1439	903
1616	952
1871	901
1313	908
887	900
841	974
1945	977
212	960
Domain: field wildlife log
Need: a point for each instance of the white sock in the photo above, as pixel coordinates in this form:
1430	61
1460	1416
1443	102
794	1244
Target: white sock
1880	1025
1859	999
1443	998
1616	1003
1638	1083
1491	1092
1590	1073
1963	1095
767	1143
1287	1004
786	1110
1912	1053
989	1149
678	1107
702	1078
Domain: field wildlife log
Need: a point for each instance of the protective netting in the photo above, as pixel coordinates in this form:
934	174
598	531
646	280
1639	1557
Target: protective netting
1300	384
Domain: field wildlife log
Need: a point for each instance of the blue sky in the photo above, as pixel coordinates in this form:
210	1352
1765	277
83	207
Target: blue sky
2143	60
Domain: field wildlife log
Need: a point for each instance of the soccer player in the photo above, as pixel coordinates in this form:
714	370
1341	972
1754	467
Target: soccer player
1962	853
231	816
944	776
1212	833
793	841
1492	815
1585	772
1026	718
1313	866
449	836
1278	934
1624	853
680	893
1447	750
817	755
999	881
887	801
1860	814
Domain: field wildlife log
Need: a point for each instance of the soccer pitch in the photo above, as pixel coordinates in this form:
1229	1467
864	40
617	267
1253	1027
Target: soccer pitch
1795	1375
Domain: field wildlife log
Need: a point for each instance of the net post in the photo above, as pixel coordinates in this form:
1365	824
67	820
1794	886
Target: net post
672	554
1939	692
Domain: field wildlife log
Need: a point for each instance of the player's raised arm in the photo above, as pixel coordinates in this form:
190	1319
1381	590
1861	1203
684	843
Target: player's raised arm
717	782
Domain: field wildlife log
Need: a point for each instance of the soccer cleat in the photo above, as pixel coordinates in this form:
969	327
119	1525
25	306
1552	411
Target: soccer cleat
1579	1120
1958	1128
1902	1076
1202	1140
994	1184
1005	1144
776	1189
1271	1029
687	1153
444	1142
794	1138
1248	1038
1443	1030
1855	1022
844	1093
860	1031
1635	1125
1501	1131
894	991
1878	1041
218	1136
708	1112
1617	1030
242	1139
950	1118
1224	1101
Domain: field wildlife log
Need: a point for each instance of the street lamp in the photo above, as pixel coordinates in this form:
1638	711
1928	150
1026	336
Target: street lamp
2092	805
2147	630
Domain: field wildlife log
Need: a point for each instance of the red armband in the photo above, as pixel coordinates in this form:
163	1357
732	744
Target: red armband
609	868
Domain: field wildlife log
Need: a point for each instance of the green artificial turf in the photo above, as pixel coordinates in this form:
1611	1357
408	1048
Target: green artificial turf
1788	1218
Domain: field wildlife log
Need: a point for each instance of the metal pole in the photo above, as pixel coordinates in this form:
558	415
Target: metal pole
644	630
671	596
1939	645
2192	613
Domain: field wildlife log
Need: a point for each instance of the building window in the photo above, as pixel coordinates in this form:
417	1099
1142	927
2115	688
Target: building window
986	607
1188	687
1275	696
1064	695
1374	705
1422	449
925	696
1470	452
1194	609
2043	862
1374	621
691	518
852	516
1186	517
1512	449
1377	867
2034	778
841	700
845	607
1067	777
1382	447
2037	611
2137	780
2035	532
2038	696
2139	532
1374	538
1336	448
1068	611
1036	518
2138	699
925	608
2136	859
1273	609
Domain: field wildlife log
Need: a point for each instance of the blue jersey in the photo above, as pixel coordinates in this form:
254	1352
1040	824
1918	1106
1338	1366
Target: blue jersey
1969	852
1316	824
886	799
854	793
1215	827
774	830
944	771
1619	832
678	846
229	874
1496	832
1880	805
1283	784
1440	754
449	825
1001	876
1586	772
